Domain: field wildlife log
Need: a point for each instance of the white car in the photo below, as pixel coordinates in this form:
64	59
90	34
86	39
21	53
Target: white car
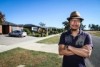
18	33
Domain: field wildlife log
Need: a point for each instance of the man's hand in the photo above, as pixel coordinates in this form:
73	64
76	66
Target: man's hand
63	50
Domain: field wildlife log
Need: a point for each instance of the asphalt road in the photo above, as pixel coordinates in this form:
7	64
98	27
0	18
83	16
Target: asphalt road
95	57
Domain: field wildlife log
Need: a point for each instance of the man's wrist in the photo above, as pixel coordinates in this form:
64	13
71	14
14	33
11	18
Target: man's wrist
69	47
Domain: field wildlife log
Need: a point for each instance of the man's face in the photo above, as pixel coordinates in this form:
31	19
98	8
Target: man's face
75	23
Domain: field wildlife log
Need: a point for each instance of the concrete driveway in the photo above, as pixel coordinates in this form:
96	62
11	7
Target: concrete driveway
6	40
8	43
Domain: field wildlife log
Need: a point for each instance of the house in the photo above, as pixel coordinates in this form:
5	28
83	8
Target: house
6	27
34	28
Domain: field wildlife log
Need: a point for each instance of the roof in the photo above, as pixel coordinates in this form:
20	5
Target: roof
29	25
32	25
12	24
9	23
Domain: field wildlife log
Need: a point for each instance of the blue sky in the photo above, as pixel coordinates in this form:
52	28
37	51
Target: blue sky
50	12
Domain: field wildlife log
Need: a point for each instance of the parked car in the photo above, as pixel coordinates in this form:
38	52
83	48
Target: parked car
18	33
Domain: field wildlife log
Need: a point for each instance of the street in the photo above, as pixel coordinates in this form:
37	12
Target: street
95	57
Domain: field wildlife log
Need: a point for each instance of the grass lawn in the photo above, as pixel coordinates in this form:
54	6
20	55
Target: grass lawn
18	56
96	33
51	40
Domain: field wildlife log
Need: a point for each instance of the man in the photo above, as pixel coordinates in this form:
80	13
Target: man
75	45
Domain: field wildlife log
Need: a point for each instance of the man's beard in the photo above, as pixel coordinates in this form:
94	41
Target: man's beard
73	29
76	28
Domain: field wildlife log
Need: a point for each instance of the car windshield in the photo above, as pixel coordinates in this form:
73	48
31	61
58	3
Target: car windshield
17	31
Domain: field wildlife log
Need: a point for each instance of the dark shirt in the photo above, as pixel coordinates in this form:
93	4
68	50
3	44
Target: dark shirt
79	41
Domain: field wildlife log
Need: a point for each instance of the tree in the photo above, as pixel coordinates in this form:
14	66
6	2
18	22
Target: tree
2	18
82	26
94	27
42	24
89	26
66	24
42	29
99	28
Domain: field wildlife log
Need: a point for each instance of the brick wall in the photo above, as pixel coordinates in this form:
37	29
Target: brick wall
0	29
10	29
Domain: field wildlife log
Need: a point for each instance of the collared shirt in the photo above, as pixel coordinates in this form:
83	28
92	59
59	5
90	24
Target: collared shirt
79	41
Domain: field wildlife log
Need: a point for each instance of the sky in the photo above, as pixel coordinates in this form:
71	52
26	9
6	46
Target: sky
50	12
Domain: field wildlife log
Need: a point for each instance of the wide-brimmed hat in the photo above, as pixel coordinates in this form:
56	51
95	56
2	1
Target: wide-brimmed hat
75	14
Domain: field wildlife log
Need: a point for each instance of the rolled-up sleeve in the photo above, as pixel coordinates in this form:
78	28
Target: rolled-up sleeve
88	40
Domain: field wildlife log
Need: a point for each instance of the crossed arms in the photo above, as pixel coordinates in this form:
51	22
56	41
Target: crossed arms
85	51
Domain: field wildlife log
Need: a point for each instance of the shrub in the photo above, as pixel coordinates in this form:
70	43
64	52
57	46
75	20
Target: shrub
28	31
